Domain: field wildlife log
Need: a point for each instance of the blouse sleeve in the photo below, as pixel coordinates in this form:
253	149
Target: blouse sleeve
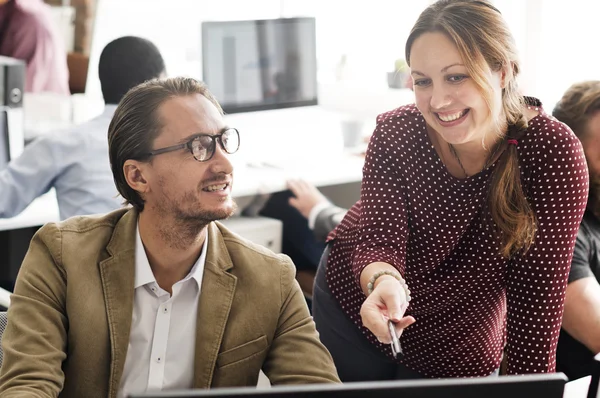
536	282
383	221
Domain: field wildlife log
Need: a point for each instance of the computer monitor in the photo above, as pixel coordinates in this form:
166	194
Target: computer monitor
542	385
260	64
12	87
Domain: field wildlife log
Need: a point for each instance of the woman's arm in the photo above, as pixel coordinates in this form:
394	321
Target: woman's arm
383	221
536	281
383	232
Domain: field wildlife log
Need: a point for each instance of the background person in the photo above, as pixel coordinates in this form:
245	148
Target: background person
75	162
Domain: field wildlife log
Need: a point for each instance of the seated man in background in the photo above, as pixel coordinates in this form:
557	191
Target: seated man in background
580	336
75	162
158	296
27	33
322	215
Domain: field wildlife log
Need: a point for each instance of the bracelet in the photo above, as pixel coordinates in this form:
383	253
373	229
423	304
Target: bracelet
396	275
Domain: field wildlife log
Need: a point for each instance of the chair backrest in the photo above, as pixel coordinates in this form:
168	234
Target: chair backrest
3	322
593	390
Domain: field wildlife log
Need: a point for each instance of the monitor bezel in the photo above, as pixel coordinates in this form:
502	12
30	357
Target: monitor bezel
234	108
433	385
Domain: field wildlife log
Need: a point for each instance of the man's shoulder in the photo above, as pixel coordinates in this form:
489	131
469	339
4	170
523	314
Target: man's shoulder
589	230
37	16
36	12
90	222
89	230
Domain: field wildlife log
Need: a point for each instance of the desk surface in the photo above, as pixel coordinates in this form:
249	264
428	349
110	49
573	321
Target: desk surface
249	180
577	388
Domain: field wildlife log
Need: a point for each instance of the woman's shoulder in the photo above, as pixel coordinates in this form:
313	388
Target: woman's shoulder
403	122
407	112
544	129
549	142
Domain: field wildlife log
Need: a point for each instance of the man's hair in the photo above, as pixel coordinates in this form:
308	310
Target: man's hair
126	62
578	104
136	124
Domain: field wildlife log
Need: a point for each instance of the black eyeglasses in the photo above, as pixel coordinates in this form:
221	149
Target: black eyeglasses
203	146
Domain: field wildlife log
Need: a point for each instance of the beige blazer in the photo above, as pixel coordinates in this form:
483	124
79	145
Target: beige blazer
70	317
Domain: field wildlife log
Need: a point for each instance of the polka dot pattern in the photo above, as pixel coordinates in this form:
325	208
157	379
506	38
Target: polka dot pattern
470	304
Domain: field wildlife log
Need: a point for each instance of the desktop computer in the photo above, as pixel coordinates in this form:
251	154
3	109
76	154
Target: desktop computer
264	74
260	64
12	85
540	385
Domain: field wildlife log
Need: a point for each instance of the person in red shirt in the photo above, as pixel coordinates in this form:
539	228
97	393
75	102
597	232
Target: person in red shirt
27	33
470	204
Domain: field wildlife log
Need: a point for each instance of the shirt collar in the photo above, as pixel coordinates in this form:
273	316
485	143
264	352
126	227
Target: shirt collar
144	274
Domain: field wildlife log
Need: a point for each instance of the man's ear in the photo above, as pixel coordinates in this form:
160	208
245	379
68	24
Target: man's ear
134	175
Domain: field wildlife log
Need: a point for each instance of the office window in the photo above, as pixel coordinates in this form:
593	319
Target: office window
556	40
174	26
370	34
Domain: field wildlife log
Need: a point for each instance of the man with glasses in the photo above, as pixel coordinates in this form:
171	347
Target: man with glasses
158	296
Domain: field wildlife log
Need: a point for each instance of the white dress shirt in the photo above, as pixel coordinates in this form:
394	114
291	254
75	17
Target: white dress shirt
74	162
160	355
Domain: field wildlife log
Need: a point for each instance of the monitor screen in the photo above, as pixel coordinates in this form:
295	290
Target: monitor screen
539	385
260	64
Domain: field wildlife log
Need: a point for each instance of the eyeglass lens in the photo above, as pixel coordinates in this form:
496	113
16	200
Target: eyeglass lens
203	147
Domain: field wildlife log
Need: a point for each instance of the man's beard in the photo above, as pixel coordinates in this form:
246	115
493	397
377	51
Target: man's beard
593	204
187	218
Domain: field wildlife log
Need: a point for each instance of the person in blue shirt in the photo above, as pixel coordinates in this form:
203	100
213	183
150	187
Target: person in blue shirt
75	162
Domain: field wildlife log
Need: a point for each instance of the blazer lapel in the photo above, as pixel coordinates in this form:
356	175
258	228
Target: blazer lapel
118	273
216	297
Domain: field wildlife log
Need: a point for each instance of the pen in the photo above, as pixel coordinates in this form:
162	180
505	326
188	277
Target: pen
396	349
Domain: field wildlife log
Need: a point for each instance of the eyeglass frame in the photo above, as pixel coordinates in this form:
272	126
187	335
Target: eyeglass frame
188	145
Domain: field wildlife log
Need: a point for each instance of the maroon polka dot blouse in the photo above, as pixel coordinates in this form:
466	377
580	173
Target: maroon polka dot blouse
470	304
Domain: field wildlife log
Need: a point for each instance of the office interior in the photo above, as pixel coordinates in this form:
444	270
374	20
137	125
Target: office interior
323	139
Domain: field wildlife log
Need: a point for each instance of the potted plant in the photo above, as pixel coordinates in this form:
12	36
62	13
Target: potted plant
398	78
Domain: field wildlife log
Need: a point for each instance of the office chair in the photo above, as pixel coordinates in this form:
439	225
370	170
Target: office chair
593	390
3	322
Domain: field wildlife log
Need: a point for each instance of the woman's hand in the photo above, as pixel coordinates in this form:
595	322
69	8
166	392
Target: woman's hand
387	301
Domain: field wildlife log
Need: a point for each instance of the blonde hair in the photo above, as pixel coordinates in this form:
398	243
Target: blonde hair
485	43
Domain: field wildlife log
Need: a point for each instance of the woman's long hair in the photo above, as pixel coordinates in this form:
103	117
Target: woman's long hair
484	42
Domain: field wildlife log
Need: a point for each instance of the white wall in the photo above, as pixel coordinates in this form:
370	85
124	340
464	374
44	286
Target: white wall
556	39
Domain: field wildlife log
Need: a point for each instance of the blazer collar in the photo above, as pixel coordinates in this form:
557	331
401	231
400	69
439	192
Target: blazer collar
117	273
216	297
214	305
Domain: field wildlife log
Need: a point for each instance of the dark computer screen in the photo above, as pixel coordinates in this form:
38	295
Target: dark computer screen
541	385
4	141
260	64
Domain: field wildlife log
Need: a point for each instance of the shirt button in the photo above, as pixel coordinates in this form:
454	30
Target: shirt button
159	359
165	310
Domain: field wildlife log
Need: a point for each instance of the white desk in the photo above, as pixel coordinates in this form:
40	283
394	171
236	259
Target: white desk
41	211
248	182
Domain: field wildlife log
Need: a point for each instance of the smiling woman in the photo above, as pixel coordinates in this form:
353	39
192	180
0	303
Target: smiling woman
462	207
